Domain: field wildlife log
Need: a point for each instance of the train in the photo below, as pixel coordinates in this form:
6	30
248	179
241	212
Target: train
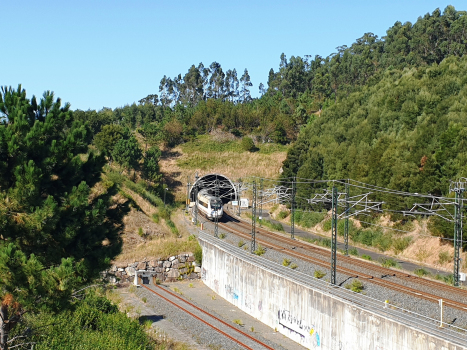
209	205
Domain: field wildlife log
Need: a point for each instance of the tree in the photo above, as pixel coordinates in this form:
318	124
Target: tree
246	84
151	170
55	236
127	153
106	139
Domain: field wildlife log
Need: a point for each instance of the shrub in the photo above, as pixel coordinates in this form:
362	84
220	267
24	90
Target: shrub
198	254
241	243
286	262
327	225
260	250
282	214
238	321
356	286
155	218
222	235
172	226
366	257
444	257
401	244
293	266
389	262
248	144
421	272
319	274
140	231
353	251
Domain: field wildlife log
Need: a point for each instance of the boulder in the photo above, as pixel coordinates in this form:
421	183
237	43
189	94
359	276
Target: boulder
160	263
197	269
153	263
175	266
120	269
167	264
172	258
112	279
141	266
130	271
193	276
191	258
182	258
173	274
175	261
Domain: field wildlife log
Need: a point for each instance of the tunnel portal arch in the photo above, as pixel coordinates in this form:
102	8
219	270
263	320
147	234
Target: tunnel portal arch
227	189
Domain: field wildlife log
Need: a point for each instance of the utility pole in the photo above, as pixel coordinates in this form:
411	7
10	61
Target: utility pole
260	202
216	217
292	218
253	219
196	198
346	222
239	198
334	234
459	188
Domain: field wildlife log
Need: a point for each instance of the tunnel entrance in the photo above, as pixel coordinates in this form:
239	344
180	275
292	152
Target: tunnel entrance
227	189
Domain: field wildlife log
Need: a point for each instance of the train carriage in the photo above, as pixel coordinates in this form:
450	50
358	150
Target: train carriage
209	205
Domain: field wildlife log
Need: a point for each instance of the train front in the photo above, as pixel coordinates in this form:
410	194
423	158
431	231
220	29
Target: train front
216	209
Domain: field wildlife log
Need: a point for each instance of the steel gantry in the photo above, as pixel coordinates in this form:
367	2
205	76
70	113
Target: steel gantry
253	219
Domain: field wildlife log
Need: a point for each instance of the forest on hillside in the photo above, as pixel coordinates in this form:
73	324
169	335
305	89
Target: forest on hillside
387	111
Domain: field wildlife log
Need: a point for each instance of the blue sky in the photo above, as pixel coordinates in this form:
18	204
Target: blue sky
97	54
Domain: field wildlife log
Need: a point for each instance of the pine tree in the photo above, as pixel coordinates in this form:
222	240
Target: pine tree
57	231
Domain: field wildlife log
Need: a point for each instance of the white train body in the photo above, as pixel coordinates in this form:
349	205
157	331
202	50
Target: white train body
209	205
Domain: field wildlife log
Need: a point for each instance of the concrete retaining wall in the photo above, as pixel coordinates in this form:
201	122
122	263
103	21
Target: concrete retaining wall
309	316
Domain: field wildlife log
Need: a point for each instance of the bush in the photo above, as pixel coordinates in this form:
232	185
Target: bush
366	257
155	218
282	214
444	257
327	225
248	144
353	251
401	244
241	243
388	262
286	262
319	274
421	272
198	254
308	219
356	286
172	226
140	231
293	266
260	250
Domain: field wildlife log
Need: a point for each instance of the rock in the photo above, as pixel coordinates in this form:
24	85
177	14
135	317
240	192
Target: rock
130	271
112	279
160	263
182	271
190	254
182	259
167	269
197	269
120	269
167	264
160	276
141	266
172	258
191	258
153	263
175	266
175	261
159	269
173	273
193	276
121	265
118	274
113	268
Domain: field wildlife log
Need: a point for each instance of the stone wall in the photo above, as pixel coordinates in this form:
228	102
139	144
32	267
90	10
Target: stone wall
178	267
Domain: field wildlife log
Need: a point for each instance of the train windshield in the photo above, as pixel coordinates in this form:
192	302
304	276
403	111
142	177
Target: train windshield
216	204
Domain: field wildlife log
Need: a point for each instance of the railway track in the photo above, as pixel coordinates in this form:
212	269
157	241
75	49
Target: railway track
240	226
209	320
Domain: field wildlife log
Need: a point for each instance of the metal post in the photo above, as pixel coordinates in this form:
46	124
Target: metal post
196	198
253	219
457	235
334	234
292	218
239	198
187	207
216	217
346	222
260	202
441	312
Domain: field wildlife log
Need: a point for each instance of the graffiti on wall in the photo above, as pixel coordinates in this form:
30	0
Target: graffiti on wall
229	291
299	326
203	273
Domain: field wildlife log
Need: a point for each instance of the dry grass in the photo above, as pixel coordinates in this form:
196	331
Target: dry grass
177	165
157	248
